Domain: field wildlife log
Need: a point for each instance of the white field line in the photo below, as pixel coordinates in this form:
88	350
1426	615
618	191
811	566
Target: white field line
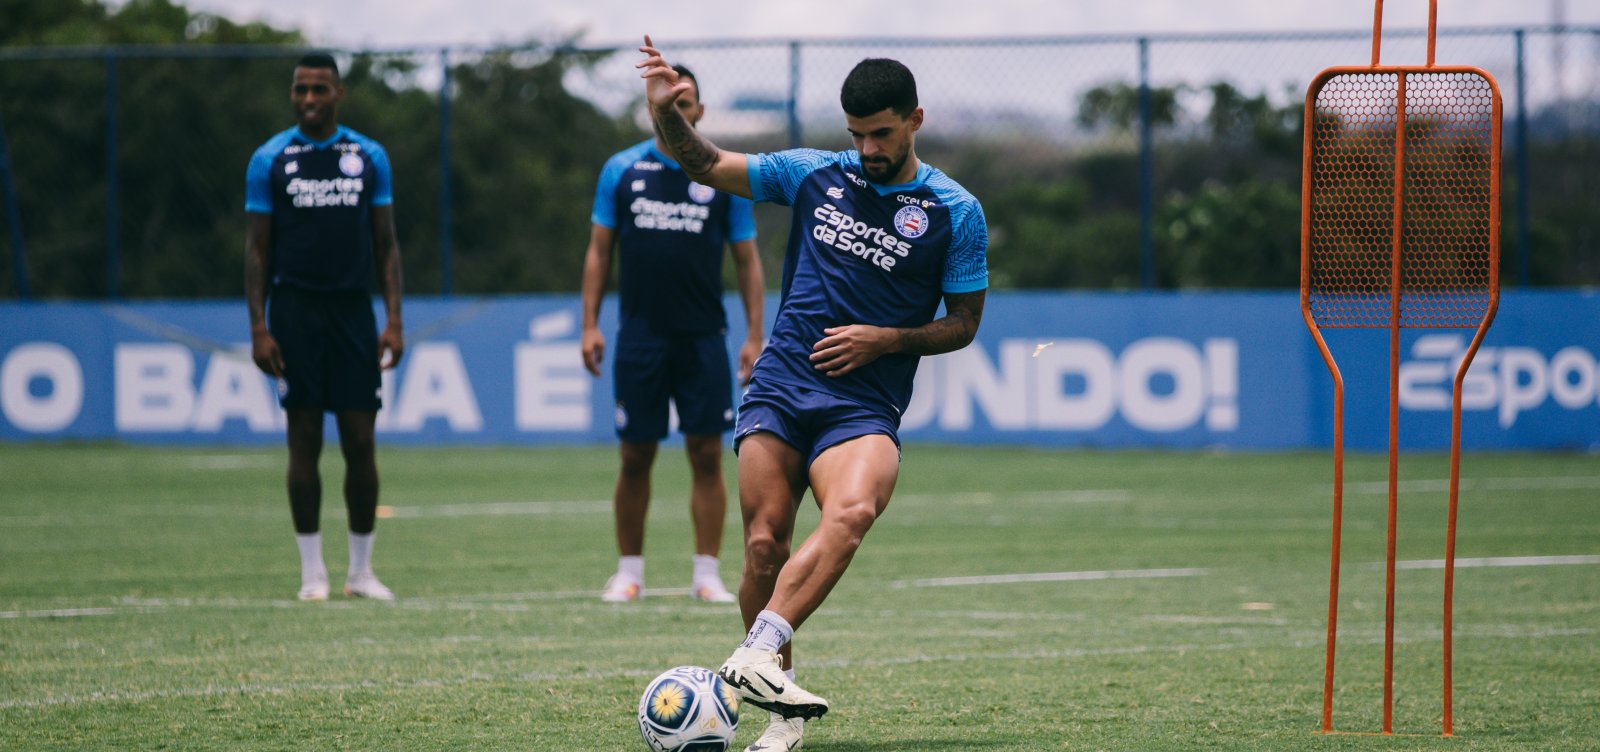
503	508
1062	496
1084	576
59	613
551	677
513	508
537	508
1442	485
1498	561
514	602
225	461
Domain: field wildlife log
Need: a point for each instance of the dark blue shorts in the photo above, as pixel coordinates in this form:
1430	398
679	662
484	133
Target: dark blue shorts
330	349
690	371
808	420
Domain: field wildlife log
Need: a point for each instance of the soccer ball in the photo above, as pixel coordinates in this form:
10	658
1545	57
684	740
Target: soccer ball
688	709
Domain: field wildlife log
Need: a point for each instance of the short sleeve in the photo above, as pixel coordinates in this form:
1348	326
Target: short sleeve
777	176
605	193
258	182
966	266
741	219
383	189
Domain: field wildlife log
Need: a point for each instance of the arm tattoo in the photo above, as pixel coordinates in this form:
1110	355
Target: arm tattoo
953	331
695	153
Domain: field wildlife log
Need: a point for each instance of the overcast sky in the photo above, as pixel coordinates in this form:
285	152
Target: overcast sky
405	23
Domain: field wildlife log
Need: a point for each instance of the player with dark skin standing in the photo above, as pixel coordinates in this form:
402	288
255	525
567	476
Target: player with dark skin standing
295	218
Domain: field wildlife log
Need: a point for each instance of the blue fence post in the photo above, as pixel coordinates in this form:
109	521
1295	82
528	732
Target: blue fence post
793	105
19	259
1147	255
1523	251
446	263
112	250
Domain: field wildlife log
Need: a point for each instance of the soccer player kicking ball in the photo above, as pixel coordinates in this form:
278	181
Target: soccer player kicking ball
879	240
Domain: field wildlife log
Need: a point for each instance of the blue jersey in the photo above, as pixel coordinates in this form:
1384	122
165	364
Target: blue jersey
320	195
861	253
671	231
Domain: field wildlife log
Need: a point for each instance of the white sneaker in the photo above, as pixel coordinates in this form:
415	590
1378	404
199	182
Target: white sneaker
367	586
314	589
782	735
620	589
757	675
712	591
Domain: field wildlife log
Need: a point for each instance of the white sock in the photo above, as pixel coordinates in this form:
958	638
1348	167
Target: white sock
789	672
631	567
769	633
360	554
311	567
706	570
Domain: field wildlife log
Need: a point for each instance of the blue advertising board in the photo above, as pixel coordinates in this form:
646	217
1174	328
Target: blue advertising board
1175	370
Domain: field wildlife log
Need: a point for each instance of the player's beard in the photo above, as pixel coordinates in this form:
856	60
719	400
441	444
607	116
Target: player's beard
881	170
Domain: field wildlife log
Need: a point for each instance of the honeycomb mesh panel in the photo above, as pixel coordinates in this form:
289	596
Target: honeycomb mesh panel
1352	199
1447	200
1447	205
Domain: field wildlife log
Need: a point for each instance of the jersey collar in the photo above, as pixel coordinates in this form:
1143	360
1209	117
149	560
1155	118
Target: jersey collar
666	160
338	133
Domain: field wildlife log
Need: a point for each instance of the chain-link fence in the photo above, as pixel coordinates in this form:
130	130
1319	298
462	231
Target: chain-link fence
1123	162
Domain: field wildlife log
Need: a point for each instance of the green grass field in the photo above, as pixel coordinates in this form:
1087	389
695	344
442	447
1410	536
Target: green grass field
148	603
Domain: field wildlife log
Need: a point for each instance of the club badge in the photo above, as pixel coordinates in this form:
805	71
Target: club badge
911	221
351	165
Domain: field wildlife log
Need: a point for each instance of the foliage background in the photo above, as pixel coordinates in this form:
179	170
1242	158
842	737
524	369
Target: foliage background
529	128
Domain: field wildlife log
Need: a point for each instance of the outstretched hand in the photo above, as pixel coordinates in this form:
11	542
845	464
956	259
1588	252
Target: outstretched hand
661	84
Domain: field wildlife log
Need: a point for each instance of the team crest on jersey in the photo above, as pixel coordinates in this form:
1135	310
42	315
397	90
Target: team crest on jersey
702	194
911	221
350	164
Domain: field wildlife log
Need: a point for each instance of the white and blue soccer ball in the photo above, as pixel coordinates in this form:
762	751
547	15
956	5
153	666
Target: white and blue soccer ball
688	709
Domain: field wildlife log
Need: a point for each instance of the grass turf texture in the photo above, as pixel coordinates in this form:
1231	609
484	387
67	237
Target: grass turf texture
148	604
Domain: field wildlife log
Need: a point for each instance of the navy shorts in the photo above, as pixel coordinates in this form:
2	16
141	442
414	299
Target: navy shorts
330	349
811	421
691	371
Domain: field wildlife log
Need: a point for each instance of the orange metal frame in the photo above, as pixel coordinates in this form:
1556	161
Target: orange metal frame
1429	262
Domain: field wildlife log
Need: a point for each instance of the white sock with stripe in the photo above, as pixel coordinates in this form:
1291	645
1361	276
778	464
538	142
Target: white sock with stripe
769	633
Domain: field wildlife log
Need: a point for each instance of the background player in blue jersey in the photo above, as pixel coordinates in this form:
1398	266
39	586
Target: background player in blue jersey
671	343
321	219
879	239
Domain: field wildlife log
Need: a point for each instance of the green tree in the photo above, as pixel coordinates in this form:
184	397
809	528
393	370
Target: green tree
1117	105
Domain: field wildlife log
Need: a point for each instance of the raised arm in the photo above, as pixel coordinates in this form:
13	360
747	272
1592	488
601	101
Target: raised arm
701	159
